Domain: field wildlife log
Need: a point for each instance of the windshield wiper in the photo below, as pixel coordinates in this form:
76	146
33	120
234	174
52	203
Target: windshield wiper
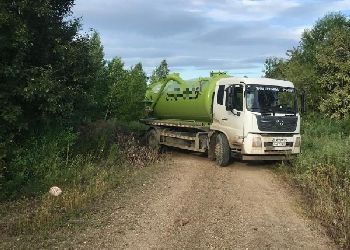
288	111
266	111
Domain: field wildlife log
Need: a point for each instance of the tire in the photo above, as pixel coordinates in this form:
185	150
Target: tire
222	151
152	139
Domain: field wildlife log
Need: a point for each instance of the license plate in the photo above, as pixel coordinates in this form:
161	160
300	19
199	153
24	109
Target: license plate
279	142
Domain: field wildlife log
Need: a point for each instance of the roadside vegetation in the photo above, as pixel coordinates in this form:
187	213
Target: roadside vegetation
320	67
103	156
68	117
323	174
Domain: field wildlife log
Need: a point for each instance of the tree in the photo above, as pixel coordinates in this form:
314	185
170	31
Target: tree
160	72
36	38
100	87
320	66
138	86
333	60
312	38
49	73
117	88
274	68
127	90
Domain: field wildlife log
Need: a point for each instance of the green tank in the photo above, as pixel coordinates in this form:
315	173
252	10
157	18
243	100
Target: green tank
175	98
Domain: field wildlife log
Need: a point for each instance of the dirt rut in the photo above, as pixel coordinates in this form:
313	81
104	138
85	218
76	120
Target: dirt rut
193	204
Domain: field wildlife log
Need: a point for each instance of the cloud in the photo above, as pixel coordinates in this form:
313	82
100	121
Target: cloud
252	34
201	35
153	19
250	10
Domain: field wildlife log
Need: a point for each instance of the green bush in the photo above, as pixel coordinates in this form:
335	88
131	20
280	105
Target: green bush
59	156
37	163
96	138
84	165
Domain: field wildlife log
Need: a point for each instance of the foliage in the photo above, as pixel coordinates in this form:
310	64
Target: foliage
100	88
274	68
322	172
37	162
334	61
35	40
160	72
320	66
54	80
65	112
85	166
126	91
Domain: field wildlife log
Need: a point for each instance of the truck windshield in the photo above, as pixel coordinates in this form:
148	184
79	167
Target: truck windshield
271	99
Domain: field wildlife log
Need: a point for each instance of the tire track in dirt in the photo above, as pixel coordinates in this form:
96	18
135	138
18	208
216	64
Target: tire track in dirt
193	204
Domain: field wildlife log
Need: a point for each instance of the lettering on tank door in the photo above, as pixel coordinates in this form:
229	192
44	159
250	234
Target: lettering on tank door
187	94
174	92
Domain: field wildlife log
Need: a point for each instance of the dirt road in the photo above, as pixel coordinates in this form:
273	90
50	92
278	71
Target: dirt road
194	204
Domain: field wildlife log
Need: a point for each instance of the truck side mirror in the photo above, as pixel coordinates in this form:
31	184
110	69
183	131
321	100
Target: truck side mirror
229	98
303	103
236	112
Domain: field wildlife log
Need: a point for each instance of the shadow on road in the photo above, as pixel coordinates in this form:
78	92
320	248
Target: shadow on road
233	162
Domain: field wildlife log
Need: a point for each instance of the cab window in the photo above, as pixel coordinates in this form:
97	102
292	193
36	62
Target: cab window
238	98
220	95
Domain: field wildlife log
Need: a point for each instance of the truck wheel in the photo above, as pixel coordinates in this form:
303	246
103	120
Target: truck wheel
222	150
152	139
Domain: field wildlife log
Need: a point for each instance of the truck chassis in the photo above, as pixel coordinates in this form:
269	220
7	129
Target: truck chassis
189	135
198	137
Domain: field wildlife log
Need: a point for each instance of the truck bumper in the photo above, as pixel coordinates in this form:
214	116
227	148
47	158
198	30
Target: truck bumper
261	146
267	157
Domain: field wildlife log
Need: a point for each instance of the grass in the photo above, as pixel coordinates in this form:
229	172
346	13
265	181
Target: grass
85	165
322	172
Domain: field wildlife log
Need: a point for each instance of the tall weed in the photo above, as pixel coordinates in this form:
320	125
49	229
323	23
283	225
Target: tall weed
323	173
84	164
37	163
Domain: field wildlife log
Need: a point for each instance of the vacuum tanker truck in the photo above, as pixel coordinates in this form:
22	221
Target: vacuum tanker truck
224	116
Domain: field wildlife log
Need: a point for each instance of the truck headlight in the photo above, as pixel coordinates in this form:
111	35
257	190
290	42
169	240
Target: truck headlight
297	142
257	142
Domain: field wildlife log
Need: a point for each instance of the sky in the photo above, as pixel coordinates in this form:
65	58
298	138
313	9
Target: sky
199	36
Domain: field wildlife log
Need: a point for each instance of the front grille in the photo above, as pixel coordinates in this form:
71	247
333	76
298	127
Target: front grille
277	123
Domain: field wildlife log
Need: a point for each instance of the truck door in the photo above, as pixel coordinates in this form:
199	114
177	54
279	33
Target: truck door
230	120
235	116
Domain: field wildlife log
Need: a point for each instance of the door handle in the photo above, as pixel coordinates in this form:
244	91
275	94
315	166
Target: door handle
224	119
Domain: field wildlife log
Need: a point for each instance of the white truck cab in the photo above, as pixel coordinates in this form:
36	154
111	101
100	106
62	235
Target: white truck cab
259	117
